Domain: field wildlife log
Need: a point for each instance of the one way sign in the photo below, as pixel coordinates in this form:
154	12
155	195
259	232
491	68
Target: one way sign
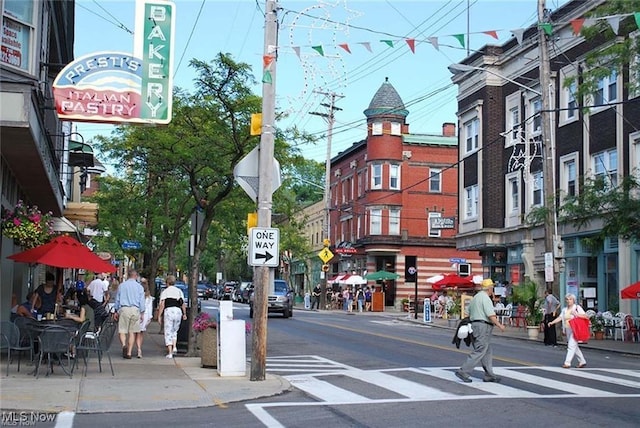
263	247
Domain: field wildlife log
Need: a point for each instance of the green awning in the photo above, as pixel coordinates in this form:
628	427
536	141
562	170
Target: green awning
80	154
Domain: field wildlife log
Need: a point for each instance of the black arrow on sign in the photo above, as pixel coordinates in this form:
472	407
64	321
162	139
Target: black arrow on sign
266	256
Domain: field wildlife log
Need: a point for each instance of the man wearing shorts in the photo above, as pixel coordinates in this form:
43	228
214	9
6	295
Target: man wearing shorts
129	306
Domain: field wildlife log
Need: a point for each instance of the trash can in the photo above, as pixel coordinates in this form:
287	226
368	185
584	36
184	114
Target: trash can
183	333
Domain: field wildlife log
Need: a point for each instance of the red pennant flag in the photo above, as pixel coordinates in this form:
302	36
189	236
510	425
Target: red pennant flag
267	60
345	47
492	33
412	44
577	24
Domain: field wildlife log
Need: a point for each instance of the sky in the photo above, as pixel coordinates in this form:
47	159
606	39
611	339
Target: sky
374	31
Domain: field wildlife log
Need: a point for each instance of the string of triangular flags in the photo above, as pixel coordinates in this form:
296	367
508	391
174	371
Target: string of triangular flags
576	25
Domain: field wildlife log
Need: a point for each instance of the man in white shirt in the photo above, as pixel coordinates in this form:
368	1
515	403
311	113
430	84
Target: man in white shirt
98	289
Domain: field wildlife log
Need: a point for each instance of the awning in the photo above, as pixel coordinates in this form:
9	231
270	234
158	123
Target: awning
80	154
338	278
63	225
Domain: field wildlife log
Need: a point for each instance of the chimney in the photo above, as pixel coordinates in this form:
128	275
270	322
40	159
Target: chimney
448	129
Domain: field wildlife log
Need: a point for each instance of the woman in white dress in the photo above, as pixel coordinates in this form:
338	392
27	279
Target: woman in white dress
146	318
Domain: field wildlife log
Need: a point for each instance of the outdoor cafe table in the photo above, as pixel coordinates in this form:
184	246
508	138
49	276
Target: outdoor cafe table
37	327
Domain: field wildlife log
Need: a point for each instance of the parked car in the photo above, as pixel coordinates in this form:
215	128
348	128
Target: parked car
247	292
185	290
227	291
238	295
205	291
280	301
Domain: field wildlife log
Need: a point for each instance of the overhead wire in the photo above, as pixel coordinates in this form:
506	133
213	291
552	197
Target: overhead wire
193	29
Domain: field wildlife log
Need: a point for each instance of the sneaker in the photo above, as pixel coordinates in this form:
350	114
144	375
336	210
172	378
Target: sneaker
494	378
463	377
175	350
169	356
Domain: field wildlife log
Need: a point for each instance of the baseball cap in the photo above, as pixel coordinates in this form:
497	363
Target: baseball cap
488	282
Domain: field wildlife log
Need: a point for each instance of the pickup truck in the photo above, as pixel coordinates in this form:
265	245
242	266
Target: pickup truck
280	301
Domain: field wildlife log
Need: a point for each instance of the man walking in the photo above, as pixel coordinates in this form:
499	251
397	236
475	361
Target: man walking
98	289
129	306
551	308
483	318
315	297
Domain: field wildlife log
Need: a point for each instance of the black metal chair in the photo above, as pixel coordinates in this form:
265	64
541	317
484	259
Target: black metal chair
11	340
98	343
55	342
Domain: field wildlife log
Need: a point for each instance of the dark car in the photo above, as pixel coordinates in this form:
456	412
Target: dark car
228	289
281	300
205	291
185	290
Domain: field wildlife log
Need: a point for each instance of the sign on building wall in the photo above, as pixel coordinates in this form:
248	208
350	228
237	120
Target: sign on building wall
442	222
116	87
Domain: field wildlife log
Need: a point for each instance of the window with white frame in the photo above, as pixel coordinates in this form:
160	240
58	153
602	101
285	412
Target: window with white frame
634	154
568	100
18	34
375	221
513	119
376	128
360	184
435	180
434	233
634	68
535	107
513	193
394	177
605	166
394	221
376	176
572	103
471	202
471	135
396	128
607	89
537	195
569	175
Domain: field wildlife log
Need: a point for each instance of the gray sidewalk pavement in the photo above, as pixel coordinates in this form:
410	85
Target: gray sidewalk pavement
157	383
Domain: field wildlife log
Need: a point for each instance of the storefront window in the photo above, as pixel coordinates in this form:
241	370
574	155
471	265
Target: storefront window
17	33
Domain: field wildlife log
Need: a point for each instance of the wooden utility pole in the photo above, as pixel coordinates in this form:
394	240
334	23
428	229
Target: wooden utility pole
262	275
329	117
548	167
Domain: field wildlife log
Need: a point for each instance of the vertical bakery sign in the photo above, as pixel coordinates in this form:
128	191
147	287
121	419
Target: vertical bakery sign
117	87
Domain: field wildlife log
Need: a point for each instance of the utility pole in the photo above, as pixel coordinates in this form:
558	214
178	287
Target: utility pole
329	117
548	167
262	274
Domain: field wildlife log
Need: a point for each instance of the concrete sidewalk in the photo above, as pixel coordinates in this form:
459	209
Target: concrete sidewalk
151	383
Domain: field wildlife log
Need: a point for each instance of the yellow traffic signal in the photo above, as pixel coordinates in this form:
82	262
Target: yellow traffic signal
252	221
326	242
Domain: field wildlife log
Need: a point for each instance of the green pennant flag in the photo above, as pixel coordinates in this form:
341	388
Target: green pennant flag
388	42
637	17
266	77
460	38
318	49
548	29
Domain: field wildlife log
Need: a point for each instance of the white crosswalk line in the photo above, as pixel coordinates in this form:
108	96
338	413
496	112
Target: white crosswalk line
491	388
401	386
571	388
64	419
324	390
589	374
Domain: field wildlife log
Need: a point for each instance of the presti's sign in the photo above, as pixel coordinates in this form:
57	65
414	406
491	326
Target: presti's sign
117	87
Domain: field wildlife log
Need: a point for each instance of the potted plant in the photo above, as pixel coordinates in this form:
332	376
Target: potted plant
597	326
526	295
453	309
206	327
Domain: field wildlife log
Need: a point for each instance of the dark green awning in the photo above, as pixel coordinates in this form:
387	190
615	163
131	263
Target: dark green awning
80	154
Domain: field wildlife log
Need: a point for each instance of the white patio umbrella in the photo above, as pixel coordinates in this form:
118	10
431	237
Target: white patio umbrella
355	280
434	279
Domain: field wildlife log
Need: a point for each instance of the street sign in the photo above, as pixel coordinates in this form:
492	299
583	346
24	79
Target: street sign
325	255
131	245
247	174
457	260
263	247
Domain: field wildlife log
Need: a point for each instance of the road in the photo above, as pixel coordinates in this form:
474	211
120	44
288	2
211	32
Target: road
368	370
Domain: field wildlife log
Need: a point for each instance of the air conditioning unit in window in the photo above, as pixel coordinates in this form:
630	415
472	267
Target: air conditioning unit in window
337	172
406	154
354	164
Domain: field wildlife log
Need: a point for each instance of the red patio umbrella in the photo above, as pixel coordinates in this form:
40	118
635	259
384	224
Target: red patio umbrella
64	252
631	292
453	280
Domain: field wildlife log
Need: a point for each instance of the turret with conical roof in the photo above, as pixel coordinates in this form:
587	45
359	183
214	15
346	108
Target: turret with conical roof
386	103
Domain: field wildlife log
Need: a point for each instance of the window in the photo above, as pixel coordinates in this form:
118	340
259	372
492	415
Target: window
513	119
605	165
434	233
572	104
535	107
471	202
471	135
435	180
396	128
513	193
537	189
569	175
17	33
394	177
394	221
635	154
376	176
375	221
360	182
376	128
607	90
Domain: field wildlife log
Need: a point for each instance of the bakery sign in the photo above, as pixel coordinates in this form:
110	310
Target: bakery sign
442	222
117	87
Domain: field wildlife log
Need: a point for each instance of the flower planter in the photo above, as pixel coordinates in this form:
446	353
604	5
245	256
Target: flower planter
209	348
533	331
598	335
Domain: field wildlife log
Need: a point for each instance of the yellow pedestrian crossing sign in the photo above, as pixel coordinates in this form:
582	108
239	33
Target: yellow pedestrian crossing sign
325	255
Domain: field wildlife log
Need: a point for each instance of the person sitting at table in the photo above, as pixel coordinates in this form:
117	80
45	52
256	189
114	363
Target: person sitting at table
24	309
46	296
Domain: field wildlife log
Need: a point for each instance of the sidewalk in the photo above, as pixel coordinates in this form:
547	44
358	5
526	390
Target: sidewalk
157	383
151	383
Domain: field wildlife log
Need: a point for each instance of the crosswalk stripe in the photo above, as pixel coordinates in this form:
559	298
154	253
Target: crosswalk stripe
571	388
491	388
401	386
589	374
325	391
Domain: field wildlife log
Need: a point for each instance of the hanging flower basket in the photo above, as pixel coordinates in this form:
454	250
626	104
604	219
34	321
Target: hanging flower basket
27	226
